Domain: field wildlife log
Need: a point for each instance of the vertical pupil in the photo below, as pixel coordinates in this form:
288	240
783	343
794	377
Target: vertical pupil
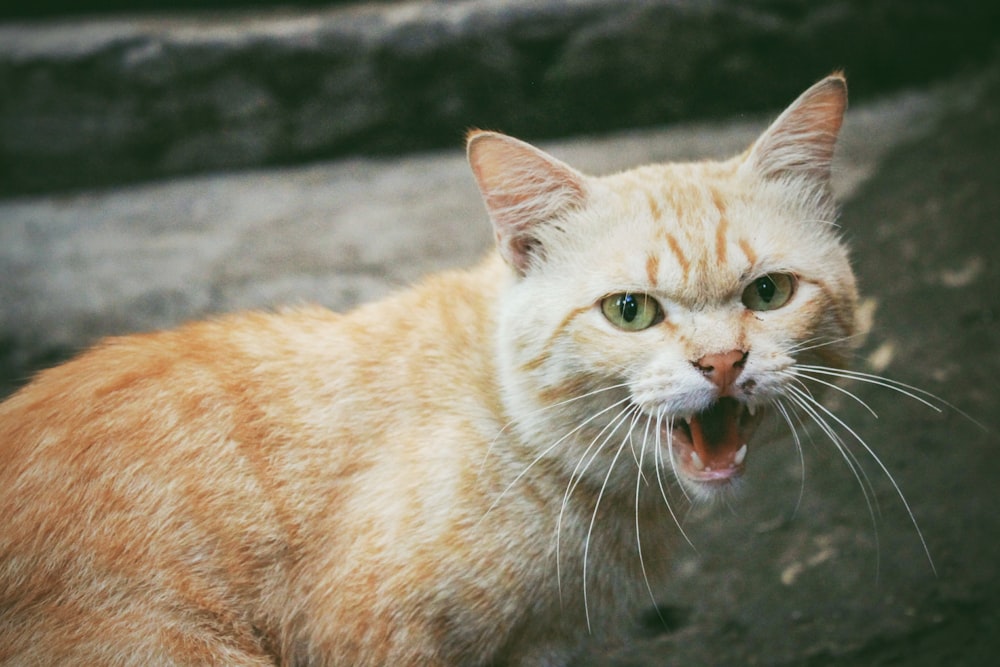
628	307
765	289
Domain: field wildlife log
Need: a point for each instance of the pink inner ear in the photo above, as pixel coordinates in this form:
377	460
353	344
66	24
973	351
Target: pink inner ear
522	188
802	139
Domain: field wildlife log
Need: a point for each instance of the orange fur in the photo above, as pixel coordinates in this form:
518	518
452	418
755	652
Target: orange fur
434	479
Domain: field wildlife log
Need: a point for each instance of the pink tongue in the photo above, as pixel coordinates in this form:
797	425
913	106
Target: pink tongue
715	433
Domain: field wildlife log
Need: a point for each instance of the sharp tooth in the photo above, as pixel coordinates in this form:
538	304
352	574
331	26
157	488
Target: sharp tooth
752	409
741	455
696	461
687	419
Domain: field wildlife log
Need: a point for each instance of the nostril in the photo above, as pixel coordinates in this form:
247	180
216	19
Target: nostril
703	367
722	360
722	368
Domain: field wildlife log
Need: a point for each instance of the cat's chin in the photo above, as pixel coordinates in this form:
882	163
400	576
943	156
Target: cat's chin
709	449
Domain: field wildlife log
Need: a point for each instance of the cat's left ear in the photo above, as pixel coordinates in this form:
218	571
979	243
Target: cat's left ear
801	141
523	189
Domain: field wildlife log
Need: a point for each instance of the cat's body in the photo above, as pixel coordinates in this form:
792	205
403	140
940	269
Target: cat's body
272	496
469	472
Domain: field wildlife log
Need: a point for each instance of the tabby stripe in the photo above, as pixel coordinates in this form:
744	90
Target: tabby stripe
536	362
675	247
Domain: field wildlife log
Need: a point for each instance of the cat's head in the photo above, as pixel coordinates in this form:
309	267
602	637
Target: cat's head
662	310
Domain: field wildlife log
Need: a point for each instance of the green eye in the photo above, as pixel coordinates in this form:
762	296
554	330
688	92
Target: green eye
769	292
631	312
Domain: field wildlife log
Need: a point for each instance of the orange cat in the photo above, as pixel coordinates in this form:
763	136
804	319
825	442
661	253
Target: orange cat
471	472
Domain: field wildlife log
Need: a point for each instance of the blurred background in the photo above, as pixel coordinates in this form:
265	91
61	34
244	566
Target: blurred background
163	161
111	91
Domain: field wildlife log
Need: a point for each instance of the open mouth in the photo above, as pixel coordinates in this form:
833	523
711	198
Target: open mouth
711	446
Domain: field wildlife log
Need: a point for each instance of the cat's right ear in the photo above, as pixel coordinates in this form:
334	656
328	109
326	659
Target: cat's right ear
523	189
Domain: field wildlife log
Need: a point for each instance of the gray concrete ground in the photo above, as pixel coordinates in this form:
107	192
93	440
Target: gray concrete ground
773	578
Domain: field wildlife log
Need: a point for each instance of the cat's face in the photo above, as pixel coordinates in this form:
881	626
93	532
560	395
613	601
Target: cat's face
662	311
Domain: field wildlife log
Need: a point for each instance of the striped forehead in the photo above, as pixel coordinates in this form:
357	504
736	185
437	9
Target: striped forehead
692	246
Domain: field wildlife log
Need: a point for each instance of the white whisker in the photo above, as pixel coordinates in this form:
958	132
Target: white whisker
783	411
545	453
540	410
658	464
631	429
805	401
813	408
822	221
916	393
673	458
802	398
890	477
819	342
805	375
895	385
639	479
593	516
577	475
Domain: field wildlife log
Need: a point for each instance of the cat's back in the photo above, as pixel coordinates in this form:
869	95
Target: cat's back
156	389
144	396
134	486
159	484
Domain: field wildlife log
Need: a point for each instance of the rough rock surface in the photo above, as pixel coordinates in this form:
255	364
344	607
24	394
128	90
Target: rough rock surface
99	101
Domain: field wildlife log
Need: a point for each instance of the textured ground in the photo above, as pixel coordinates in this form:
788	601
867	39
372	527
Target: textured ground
822	585
773	580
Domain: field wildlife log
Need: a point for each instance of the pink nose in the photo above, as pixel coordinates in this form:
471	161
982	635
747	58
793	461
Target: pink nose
722	368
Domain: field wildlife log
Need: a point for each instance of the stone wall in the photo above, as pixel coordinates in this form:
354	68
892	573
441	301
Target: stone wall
98	101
